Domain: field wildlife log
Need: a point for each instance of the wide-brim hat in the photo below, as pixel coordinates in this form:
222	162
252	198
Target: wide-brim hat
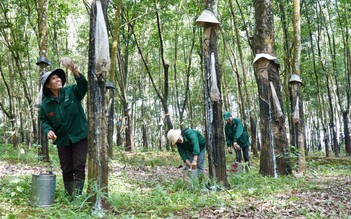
59	72
226	115
173	135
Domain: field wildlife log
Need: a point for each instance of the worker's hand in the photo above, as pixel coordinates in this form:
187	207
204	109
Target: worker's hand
194	165
236	146
230	150
51	135
187	163
67	62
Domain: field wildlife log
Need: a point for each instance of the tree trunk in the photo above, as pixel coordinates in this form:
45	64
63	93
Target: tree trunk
97	130
298	124
43	50
128	129
112	79
345	116
110	123
144	133
273	133
118	132
213	104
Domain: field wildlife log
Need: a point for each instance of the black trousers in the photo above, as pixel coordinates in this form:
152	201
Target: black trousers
245	153
73	159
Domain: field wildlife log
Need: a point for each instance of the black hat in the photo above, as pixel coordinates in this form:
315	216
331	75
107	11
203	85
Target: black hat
43	60
59	72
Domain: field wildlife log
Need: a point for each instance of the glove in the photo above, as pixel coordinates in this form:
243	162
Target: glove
67	62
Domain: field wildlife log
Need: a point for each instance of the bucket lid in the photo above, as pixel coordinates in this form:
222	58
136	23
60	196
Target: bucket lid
265	56
295	78
207	17
43	60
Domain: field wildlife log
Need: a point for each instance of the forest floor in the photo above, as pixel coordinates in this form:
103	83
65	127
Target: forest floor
329	198
324	192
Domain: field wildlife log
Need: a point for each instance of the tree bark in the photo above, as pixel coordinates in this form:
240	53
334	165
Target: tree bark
97	129
110	123
274	140
298	125
213	107
112	78
43	50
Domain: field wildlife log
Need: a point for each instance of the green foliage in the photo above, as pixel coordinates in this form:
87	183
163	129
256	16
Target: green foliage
151	197
21	154
150	158
291	153
254	185
161	201
15	190
321	166
132	195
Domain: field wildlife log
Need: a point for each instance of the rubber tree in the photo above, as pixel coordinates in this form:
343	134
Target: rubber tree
112	79
298	122
99	64
213	101
273	161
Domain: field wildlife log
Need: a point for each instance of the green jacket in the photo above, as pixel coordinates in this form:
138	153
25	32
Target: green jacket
236	133
65	115
193	142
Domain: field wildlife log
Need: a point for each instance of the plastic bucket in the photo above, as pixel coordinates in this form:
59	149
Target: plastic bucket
43	189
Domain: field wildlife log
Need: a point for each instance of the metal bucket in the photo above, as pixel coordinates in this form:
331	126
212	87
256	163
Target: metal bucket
43	189
190	175
239	167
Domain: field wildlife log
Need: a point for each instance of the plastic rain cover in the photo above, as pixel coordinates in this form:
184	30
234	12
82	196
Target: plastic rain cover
102	53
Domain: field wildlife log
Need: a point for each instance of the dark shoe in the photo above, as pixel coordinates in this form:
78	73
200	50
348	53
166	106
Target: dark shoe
69	186
79	187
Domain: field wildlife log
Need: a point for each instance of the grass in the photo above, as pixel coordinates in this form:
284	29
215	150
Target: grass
133	196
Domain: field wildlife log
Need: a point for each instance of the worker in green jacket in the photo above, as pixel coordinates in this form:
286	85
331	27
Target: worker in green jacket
191	147
236	137
64	121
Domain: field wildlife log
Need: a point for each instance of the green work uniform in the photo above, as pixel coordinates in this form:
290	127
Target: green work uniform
65	115
235	132
193	142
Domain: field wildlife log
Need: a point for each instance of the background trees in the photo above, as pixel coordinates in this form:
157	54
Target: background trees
158	72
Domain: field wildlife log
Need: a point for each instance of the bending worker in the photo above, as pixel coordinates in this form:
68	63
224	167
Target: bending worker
191	147
236	137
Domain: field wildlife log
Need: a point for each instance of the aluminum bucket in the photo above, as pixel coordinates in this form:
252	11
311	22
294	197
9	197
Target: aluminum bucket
239	167
43	189
190	174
